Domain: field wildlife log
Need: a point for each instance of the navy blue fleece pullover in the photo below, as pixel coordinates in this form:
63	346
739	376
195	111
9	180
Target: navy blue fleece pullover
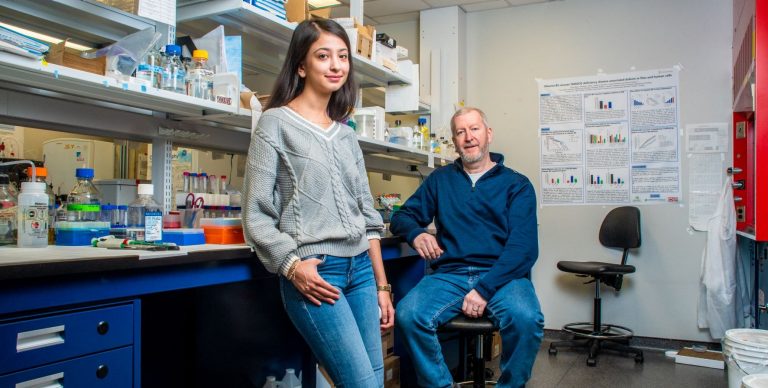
490	225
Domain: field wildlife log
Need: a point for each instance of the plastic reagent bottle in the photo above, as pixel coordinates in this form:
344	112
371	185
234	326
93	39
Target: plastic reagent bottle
290	380
33	215
271	382
200	76
145	216
84	201
40	176
174	74
8	212
424	134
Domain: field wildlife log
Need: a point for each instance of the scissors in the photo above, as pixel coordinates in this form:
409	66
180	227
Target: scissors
194	203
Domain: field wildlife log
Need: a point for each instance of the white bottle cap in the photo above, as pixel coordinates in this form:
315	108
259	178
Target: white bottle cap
33	187
146	189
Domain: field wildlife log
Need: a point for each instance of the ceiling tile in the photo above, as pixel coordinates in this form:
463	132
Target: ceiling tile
485	6
403	17
448	3
378	8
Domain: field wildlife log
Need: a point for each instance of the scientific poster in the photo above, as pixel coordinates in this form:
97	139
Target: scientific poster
610	139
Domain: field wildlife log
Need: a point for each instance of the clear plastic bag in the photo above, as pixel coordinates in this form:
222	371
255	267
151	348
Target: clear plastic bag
125	55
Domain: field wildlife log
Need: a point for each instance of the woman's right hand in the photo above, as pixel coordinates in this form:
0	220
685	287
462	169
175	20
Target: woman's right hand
312	285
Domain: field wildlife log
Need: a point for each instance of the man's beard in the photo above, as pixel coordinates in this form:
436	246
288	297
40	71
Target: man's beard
474	159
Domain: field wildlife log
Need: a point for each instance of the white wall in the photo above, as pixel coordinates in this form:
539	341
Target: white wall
508	49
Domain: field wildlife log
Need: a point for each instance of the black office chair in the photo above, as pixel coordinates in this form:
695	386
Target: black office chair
620	229
482	328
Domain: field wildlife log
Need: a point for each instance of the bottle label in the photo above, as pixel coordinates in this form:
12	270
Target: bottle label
34	221
153	226
83	207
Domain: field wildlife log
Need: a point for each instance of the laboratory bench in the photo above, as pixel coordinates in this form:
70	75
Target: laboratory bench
206	315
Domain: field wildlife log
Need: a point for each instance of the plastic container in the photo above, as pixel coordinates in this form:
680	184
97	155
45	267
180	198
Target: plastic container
80	233
746	353
8	212
172	220
145	216
200	76
271	382
218	234
184	236
83	202
755	381
290	380
33	215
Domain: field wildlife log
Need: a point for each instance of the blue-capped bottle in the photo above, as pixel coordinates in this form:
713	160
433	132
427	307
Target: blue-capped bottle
174	75
84	201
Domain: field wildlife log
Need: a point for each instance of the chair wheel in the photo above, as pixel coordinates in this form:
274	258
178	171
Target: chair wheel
552	351
591	362
639	358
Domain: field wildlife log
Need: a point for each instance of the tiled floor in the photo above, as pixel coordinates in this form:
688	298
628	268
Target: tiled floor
569	369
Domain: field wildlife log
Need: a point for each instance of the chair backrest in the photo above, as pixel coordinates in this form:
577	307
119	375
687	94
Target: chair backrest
621	228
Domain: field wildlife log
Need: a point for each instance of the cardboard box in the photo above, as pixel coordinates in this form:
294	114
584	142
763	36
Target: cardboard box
392	372
496	345
388	342
708	358
59	54
298	10
364	46
386	56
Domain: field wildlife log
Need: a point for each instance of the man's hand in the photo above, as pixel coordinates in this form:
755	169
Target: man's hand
474	305
426	245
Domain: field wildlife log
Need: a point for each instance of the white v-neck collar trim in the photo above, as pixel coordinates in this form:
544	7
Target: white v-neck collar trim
328	133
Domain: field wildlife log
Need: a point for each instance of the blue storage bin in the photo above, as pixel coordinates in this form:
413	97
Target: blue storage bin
184	236
80	233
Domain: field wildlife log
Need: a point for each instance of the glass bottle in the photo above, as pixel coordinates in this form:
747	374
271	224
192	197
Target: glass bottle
200	76
145	216
151	68
174	74
8	203
84	201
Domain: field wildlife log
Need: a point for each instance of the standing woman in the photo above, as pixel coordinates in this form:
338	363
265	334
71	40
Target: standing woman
309	211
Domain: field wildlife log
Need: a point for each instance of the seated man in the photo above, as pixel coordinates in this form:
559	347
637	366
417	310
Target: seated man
486	244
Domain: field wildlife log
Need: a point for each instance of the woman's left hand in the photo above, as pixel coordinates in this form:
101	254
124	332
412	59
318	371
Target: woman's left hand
387	310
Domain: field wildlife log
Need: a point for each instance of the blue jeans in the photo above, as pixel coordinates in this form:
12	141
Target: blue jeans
345	337
438	298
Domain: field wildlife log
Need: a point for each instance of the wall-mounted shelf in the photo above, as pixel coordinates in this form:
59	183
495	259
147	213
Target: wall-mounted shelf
43	76
266	38
37	94
84	21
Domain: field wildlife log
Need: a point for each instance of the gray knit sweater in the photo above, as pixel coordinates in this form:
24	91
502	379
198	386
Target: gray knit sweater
306	191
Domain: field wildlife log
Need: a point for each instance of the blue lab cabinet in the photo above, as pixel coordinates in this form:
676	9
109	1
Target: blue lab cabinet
207	318
85	347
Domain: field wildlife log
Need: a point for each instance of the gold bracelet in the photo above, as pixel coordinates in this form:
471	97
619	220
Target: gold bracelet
292	271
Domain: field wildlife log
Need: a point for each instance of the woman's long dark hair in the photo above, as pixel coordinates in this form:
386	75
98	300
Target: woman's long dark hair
289	85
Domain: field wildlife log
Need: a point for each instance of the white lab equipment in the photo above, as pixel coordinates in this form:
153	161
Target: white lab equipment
62	156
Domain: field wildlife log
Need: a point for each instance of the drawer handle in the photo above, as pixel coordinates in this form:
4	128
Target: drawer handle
102	371
41	338
103	327
55	380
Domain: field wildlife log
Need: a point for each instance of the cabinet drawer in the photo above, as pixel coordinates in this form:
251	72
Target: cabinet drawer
113	369
32	342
